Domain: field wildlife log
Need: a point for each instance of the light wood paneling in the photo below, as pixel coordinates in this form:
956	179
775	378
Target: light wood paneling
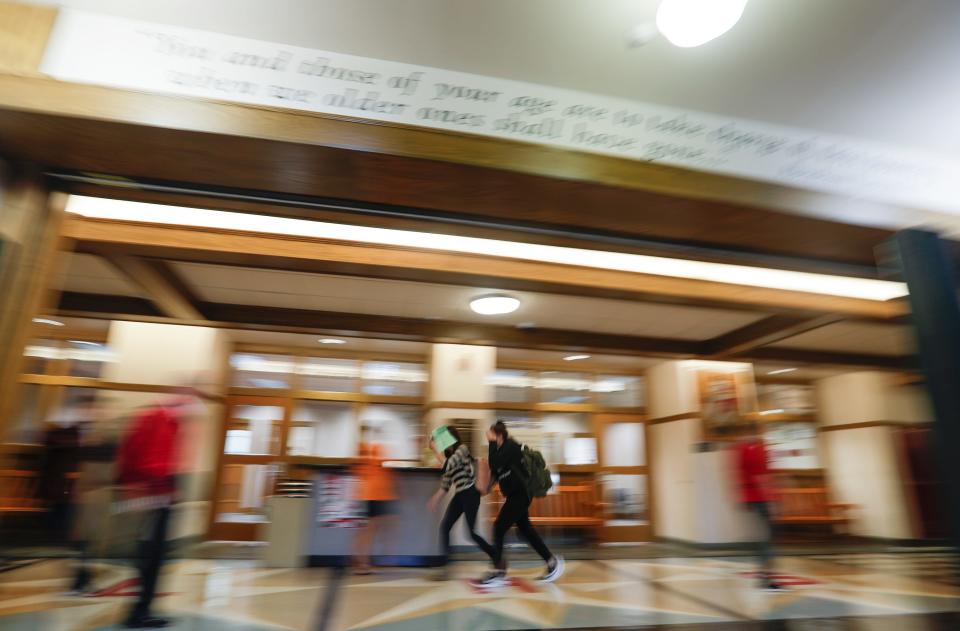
181	241
23	36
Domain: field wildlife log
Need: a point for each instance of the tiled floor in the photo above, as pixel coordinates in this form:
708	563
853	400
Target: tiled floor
863	592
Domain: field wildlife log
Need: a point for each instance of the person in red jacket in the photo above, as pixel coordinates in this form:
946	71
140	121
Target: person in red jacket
756	494
146	472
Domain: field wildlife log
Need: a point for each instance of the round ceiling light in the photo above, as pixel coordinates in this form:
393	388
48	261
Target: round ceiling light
494	304
574	358
689	23
331	340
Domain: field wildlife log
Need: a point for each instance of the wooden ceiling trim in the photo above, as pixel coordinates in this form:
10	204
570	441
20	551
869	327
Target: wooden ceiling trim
251	246
763	332
96	129
228	316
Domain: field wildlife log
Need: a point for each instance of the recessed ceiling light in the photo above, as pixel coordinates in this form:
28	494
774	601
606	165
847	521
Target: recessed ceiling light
48	322
331	340
573	358
782	371
689	23
495	304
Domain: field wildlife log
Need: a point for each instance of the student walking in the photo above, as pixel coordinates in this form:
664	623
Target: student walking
756	496
507	468
376	491
459	473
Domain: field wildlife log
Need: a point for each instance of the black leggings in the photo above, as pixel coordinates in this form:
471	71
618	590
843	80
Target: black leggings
515	510
467	503
152	553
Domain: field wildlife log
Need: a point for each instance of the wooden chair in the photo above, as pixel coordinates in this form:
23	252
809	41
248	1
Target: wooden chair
810	507
18	492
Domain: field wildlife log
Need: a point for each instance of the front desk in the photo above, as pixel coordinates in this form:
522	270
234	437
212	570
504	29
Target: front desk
410	538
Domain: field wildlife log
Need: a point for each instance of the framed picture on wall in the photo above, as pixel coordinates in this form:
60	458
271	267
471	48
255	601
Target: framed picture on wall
724	402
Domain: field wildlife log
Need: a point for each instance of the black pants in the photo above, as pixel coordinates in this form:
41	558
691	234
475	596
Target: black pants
466	503
765	544
152	552
515	510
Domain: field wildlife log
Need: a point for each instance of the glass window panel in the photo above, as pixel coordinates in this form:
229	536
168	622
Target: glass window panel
524	427
87	359
329	375
792	445
626	499
395	379
243	490
323	429
399	428
512	386
27	426
254	430
786	398
564	387
619	391
38	354
261	371
624	445
560	434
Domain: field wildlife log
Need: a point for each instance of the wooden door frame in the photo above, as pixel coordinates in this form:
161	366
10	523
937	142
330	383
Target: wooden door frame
637	533
228	531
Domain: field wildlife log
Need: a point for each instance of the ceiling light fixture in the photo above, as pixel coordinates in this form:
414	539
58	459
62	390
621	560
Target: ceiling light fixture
573	358
494	304
48	322
689	23
331	340
769	412
823	284
85	343
782	371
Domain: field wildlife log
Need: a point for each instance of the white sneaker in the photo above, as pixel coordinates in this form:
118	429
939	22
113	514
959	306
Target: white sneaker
493	580
555	572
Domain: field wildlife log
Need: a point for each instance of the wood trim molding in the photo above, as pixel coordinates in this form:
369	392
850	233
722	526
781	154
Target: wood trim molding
673	417
464	405
100	384
763	332
866	424
24	30
243	317
233	247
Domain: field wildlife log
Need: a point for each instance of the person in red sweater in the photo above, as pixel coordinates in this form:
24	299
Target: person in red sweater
147	462
756	494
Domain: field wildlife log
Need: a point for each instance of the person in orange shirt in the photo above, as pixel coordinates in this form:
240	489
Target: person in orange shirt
375	489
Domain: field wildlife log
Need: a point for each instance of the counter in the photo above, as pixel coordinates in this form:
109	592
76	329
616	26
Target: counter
411	538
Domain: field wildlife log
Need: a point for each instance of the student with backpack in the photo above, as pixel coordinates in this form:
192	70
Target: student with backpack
459	473
522	476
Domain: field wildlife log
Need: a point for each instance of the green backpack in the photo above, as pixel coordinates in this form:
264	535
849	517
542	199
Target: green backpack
538	480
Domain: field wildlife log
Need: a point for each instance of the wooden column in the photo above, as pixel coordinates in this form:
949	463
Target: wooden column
30	244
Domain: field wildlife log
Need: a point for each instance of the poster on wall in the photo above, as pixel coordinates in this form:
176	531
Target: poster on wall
336	506
724	402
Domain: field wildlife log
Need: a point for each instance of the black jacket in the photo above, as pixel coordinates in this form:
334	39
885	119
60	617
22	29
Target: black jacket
506	467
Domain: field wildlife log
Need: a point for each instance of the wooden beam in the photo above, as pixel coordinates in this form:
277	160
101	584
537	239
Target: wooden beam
165	289
179	242
227	144
803	356
767	331
247	317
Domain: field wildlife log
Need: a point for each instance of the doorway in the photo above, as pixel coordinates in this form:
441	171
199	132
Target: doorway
624	477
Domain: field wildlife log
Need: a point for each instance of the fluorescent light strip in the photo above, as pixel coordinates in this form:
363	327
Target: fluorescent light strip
844	286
